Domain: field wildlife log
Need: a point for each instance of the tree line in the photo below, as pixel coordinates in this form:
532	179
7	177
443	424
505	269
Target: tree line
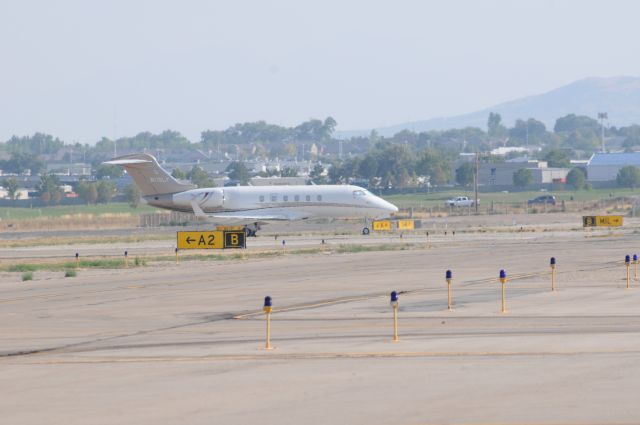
575	134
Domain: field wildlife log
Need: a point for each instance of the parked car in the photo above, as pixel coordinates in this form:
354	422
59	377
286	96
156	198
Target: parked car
544	199
460	201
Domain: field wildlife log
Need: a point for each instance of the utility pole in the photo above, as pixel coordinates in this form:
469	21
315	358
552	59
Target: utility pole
602	116
475	180
115	131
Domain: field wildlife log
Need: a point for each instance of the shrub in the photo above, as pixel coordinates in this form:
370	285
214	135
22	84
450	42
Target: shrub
27	276
629	176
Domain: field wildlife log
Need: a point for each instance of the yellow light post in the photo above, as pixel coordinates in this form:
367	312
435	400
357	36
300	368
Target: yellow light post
635	266
627	261
552	263
177	257
126	259
77	260
503	281
394	306
449	278
267	310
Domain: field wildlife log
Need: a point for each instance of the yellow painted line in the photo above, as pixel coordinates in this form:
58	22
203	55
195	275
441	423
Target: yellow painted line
519	276
311	305
274	355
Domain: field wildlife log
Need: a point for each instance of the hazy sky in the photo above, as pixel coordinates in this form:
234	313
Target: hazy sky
85	69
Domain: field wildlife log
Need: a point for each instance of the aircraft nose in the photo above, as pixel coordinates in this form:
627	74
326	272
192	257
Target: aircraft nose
387	206
390	207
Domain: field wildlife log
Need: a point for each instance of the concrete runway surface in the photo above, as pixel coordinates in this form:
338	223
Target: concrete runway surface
167	344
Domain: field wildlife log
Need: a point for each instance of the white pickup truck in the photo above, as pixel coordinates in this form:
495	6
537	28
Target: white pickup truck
460	201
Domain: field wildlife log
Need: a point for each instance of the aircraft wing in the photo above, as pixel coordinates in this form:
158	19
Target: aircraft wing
248	217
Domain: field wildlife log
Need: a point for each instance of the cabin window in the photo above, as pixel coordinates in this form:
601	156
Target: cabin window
274	197
358	193
308	198
285	198
296	198
319	198
261	198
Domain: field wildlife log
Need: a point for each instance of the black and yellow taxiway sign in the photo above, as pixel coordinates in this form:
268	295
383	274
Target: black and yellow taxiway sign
405	225
235	239
215	239
602	220
382	225
201	240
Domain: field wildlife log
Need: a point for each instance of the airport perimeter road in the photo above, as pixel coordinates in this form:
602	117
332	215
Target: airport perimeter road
168	344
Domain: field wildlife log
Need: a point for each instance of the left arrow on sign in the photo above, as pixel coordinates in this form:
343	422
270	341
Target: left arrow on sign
189	240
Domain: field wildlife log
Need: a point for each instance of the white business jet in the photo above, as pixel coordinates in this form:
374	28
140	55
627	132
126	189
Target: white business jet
252	205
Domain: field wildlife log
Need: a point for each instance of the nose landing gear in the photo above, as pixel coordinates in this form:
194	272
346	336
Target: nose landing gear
365	230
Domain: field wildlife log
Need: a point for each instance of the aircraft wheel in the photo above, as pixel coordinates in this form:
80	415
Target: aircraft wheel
365	231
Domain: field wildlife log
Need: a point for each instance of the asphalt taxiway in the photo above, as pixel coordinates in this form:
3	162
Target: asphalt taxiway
184	343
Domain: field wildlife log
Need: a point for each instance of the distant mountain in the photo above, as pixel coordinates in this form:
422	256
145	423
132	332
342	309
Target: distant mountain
618	96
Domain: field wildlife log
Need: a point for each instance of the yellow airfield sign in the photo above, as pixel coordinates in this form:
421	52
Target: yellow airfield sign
382	225
201	240
227	228
405	225
602	220
216	239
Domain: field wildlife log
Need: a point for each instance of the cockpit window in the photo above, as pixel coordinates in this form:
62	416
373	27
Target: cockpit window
358	193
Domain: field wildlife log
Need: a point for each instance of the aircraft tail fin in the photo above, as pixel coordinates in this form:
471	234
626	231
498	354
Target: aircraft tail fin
150	178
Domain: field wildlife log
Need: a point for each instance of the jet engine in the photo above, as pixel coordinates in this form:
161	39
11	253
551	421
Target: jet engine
206	198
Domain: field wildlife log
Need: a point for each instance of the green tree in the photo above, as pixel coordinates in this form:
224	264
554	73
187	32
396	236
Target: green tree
87	191
132	195
368	167
631	135
494	125
583	139
109	171
106	190
199	177
92	194
395	164
629	176
576	179
465	173
48	186
531	131
433	164
317	174
522	177
21	162
38	144
178	174
239	172
289	172
557	158
329	126
573	122
12	187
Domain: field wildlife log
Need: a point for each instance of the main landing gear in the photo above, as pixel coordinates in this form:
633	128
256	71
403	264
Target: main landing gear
251	229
